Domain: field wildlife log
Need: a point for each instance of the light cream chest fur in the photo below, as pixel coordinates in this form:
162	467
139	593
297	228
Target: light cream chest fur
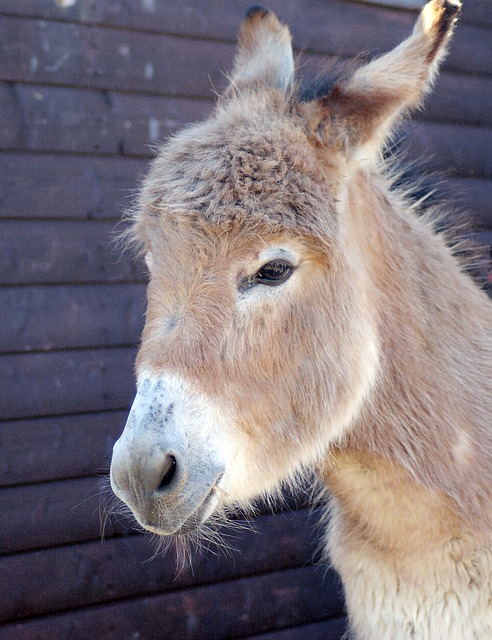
411	568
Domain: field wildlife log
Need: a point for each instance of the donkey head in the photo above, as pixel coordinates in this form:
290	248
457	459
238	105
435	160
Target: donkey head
261	341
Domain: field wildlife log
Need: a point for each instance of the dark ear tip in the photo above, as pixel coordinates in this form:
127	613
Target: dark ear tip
257	11
453	8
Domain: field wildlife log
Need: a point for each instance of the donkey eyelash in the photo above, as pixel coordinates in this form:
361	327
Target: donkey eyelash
272	274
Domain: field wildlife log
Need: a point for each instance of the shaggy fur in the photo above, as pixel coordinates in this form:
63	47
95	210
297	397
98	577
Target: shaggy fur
371	364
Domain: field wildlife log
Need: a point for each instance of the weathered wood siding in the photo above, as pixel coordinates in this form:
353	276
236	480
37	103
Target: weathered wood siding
86	91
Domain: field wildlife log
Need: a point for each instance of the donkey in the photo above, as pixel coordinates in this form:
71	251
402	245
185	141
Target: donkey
303	316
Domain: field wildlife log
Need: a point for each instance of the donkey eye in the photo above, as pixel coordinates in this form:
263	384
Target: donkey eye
273	273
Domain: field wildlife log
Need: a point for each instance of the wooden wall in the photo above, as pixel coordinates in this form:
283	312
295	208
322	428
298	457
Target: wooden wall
87	89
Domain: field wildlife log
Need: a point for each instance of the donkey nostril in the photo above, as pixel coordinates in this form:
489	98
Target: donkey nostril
169	473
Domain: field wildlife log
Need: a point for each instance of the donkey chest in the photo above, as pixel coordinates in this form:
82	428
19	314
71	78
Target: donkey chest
411	568
444	594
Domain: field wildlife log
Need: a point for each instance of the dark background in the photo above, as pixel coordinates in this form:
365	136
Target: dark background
86	91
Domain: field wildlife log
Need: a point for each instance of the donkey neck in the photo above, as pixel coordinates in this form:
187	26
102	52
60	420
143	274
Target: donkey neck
430	411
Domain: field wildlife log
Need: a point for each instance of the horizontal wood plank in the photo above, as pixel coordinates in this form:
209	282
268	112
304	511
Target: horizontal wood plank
44	384
50	53
49	514
61	512
45	449
122	567
460	99
42	52
145	63
477	11
71	187
59	119
458	151
63	252
470	50
86	316
222	611
465	148
332	629
316	22
218	20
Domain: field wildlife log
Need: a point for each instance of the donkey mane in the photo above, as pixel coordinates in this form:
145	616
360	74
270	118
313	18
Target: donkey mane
309	89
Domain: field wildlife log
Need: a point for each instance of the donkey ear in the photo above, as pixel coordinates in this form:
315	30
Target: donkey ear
359	112
264	54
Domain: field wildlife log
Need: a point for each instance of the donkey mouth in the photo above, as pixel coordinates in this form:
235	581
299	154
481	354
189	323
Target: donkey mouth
198	517
190	522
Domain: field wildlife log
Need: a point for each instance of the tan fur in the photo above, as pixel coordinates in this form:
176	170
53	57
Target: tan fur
264	53
411	566
372	364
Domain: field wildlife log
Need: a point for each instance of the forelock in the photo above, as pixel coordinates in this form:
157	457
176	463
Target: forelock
250	162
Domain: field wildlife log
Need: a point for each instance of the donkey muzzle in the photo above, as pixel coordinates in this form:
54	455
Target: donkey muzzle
164	467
